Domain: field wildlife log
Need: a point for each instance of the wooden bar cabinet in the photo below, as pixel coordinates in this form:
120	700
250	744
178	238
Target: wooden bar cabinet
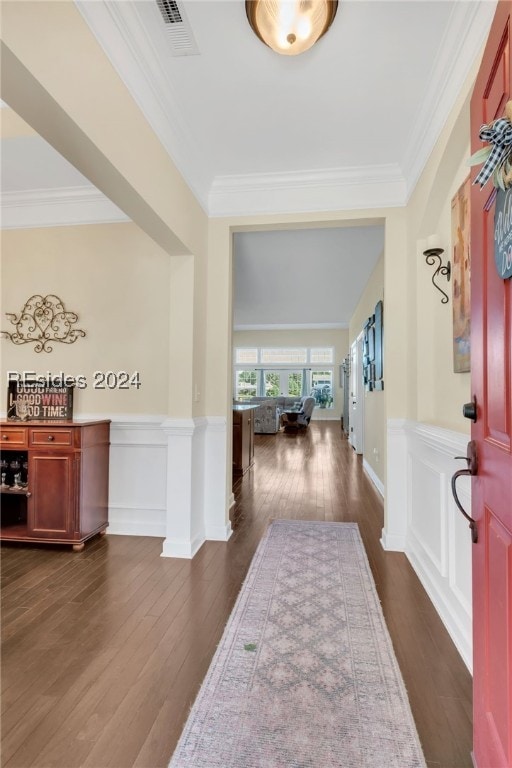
54	481
243	438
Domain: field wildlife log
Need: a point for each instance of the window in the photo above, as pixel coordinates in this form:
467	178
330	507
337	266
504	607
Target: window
244	355
276	356
320	355
321	388
245	385
283	382
272	383
288	371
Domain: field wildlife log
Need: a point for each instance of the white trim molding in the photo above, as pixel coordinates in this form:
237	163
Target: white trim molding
185	529
423	521
464	38
293	327
395	502
216	511
373	477
131	42
330	189
65	206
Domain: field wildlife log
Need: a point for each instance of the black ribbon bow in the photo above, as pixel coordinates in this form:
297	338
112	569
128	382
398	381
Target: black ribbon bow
499	134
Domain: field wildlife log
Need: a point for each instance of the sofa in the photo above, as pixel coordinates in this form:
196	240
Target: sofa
267	415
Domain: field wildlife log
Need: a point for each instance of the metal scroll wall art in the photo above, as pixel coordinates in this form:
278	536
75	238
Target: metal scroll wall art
42	321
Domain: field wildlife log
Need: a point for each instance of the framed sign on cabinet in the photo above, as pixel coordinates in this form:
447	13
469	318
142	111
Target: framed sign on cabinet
39	400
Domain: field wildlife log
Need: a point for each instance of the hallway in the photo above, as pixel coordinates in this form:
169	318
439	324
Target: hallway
104	650
317	476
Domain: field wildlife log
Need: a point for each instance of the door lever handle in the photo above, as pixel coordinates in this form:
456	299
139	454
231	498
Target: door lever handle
471	470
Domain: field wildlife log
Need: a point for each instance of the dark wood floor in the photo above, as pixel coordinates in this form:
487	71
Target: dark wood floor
104	650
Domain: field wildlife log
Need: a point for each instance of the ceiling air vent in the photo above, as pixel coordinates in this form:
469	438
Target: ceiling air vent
177	29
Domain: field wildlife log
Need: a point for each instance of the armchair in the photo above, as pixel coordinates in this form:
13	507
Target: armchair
306	411
301	419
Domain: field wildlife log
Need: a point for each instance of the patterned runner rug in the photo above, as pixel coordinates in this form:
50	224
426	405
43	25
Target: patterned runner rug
305	675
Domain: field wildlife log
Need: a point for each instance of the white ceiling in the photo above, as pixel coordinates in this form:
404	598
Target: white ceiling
29	163
351	100
348	124
306	277
366	102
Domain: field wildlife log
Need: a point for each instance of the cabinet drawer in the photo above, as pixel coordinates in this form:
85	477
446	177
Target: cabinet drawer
53	437
13	436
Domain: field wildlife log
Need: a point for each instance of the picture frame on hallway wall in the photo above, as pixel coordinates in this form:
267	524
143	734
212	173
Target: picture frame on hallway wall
373	369
461	278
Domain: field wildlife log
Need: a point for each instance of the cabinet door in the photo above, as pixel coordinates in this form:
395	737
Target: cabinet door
51	505
247	439
250	427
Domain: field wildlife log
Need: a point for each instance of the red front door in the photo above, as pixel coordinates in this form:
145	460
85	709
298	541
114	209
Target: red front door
491	363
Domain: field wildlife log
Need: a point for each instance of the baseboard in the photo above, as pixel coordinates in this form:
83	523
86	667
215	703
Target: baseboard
183	548
136	520
447	612
392	543
219	532
373	477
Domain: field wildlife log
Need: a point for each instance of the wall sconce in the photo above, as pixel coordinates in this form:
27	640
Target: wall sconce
432	255
290	27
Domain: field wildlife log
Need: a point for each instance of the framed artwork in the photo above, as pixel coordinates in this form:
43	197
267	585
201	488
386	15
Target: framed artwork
371	342
379	329
372	350
461	277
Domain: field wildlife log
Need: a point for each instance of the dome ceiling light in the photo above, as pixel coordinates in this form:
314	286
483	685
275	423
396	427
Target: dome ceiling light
290	27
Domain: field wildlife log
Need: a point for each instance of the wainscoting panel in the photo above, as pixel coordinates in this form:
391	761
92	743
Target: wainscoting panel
167	471
428	513
458	537
138	466
438	541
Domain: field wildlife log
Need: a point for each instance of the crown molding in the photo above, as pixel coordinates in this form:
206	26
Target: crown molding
65	206
329	189
460	46
293	327
132	45
132	42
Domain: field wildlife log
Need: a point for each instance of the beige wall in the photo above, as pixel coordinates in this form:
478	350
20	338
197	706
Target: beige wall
44	46
374	402
118	282
116	149
437	392
337	338
373	292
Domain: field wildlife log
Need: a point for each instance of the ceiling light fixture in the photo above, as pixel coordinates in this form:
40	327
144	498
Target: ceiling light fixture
290	27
